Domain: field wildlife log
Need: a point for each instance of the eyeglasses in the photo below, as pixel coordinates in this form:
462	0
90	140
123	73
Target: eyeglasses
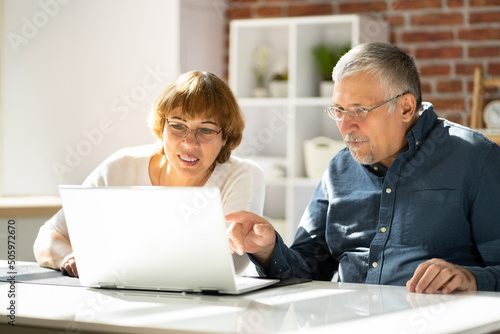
202	135
357	114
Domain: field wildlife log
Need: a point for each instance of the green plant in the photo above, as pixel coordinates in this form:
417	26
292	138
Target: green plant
327	57
280	77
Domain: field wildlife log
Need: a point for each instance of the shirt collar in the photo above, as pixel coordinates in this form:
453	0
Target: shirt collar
421	129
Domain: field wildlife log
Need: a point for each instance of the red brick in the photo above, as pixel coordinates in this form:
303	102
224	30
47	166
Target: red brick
437	19
470	86
440	52
493	91
455	117
484	17
485	51
448	104
240	1
393	38
396	20
487	90
269	11
483	3
426	88
307	10
455	3
242	13
493	69
430	70
363	7
466	69
427	36
226	42
461	117
465	118
408	51
479	34
415	4
449	86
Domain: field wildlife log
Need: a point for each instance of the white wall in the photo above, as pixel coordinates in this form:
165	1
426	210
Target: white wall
79	78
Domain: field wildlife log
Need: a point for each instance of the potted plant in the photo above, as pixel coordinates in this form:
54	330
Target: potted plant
278	86
260	63
326	58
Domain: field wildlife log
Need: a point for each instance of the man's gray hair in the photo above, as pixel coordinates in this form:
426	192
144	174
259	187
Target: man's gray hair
395	69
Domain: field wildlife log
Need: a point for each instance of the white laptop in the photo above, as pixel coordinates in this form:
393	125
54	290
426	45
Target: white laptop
152	238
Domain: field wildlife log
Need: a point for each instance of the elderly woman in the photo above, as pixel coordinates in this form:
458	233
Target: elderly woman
198	123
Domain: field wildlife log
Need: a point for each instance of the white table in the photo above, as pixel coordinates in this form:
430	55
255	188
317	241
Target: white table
314	307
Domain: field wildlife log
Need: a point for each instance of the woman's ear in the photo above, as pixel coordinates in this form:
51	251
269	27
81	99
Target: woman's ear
409	104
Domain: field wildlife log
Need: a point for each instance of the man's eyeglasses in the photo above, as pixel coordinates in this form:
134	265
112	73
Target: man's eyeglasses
357	114
202	135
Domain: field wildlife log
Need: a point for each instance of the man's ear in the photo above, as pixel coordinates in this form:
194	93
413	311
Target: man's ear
409	104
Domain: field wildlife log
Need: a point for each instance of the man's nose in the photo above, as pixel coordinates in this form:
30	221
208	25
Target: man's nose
347	124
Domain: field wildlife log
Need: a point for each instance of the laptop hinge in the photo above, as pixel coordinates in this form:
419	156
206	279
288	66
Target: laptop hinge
107	285
209	291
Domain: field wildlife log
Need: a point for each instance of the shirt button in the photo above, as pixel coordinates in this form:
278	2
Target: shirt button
388	190
383	230
374	264
375	168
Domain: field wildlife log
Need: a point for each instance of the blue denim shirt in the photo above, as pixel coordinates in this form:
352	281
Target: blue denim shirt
440	198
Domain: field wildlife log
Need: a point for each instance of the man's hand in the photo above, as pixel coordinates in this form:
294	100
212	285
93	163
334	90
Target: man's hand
250	233
68	265
438	275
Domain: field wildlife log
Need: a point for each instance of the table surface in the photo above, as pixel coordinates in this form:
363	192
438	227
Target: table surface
314	307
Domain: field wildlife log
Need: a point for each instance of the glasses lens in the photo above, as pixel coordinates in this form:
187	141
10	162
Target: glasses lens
206	136
335	113
177	129
357	114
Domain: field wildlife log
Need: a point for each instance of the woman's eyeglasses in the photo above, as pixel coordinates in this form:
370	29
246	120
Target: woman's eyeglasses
202	135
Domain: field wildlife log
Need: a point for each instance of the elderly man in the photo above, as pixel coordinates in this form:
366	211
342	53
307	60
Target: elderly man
413	200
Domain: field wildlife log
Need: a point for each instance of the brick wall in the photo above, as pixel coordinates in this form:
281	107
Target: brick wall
448	39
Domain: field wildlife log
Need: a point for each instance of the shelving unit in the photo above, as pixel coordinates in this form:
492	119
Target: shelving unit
276	128
477	122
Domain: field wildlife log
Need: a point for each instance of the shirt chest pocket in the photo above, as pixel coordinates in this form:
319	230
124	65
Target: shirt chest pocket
433	219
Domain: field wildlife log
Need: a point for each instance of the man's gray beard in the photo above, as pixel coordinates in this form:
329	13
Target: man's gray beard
366	159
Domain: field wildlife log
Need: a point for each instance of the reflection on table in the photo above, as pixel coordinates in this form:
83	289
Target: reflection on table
312	307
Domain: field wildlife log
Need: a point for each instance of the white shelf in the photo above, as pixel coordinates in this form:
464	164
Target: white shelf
276	128
267	101
29	206
274	101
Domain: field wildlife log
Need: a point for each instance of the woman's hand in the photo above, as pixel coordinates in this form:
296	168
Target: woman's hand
68	265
